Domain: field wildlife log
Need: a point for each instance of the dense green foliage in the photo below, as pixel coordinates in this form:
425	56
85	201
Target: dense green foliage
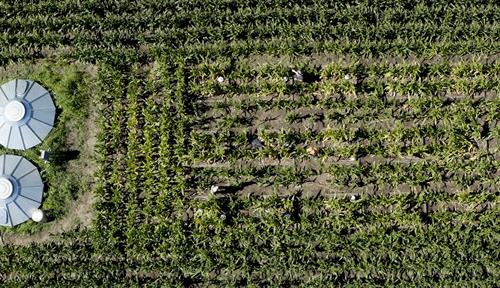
96	30
412	134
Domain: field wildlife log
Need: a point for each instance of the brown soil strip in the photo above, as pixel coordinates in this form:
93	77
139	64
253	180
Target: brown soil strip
312	162
231	99
324	190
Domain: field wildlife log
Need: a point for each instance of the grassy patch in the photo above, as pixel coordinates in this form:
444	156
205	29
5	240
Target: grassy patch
70	87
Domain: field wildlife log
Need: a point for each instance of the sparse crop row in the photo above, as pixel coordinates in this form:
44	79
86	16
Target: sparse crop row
421	140
242	69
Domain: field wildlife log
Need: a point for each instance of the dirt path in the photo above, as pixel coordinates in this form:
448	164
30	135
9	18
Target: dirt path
78	215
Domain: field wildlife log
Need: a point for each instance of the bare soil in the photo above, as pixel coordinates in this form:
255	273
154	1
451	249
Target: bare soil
319	59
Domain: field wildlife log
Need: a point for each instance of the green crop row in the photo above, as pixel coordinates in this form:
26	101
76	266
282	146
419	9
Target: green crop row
96	32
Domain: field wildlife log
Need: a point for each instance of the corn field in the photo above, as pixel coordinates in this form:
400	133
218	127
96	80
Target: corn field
276	143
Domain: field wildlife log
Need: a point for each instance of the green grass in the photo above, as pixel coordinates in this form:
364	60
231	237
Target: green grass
70	88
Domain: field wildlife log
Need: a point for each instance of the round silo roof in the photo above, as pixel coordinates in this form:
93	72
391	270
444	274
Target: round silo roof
21	189
27	114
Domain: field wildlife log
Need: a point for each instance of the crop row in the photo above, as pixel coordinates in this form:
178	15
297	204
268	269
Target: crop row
70	16
330	238
367	29
246	69
108	49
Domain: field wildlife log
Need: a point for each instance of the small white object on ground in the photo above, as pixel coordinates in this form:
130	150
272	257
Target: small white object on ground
353	158
214	188
37	215
44	155
312	150
353	197
298	75
220	79
285	78
347	77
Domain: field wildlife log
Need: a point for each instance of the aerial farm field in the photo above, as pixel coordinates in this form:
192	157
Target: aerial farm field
261	143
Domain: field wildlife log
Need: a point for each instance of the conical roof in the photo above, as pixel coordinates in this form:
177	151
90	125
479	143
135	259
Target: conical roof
27	114
21	189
